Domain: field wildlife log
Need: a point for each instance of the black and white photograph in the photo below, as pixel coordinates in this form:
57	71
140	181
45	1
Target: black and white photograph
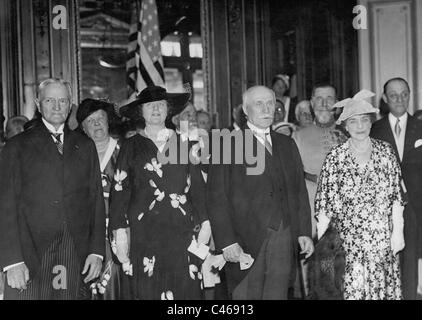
212	152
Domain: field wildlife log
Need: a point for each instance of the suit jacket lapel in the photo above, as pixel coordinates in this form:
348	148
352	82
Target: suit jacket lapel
409	137
43	142
70	149
280	163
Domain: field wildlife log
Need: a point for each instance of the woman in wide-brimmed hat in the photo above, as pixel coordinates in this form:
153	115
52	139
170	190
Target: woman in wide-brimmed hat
359	195
97	118
162	203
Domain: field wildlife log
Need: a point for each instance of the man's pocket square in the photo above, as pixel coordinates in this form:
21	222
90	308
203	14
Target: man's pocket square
418	143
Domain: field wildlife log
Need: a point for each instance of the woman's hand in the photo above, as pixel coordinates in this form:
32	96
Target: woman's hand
122	245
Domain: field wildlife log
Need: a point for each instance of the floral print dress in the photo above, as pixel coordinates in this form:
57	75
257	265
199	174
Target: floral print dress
359	202
164	205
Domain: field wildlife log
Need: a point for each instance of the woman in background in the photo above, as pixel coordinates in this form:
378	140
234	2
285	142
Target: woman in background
359	195
281	85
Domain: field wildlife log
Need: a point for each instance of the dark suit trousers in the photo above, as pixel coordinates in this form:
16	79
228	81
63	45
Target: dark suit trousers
59	277
409	256
268	278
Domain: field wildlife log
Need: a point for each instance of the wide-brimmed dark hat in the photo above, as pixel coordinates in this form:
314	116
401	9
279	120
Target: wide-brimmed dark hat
89	106
177	101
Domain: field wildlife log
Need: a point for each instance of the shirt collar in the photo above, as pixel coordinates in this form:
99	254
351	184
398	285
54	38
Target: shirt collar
51	128
258	130
393	118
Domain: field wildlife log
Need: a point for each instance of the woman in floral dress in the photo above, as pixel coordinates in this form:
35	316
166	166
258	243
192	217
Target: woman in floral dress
359	194
162	203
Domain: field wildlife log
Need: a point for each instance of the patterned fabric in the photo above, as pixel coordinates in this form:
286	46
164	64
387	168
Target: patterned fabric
359	203
59	277
164	204
112	283
58	142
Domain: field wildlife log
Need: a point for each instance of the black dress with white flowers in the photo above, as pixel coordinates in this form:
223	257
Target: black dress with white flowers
164	205
359	203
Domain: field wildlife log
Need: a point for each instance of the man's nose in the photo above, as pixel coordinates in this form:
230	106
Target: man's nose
56	105
266	108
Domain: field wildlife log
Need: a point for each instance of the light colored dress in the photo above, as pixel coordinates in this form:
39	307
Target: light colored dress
359	203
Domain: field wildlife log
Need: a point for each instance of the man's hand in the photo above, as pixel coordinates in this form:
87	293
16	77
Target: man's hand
18	277
232	253
307	246
94	264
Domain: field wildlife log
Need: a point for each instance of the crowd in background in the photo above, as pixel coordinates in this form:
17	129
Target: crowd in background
361	176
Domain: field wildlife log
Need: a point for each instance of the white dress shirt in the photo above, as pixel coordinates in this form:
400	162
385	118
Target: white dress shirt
399	140
51	128
260	133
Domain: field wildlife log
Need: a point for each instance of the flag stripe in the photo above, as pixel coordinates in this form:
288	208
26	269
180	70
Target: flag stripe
144	66
160	70
149	65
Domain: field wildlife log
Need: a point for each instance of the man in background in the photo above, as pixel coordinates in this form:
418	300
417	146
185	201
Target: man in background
404	133
314	143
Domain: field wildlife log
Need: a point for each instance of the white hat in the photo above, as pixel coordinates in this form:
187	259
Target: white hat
283	77
356	105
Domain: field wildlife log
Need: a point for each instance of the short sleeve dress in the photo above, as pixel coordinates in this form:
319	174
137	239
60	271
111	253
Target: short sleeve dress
164	205
359	202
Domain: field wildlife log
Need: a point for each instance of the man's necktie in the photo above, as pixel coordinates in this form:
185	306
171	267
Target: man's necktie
265	139
58	142
268	145
397	128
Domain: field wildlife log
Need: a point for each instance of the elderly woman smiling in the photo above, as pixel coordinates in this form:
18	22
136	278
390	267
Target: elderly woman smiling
96	118
359	194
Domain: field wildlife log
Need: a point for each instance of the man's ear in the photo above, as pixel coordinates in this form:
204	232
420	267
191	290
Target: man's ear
244	110
175	120
312	103
384	98
37	103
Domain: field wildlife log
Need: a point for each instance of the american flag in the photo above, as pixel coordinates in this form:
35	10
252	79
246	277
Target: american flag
145	62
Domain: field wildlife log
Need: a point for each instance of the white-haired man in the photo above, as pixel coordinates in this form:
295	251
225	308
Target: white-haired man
264	217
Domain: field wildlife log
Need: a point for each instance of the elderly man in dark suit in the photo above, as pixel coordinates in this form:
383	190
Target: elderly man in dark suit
263	215
404	133
52	220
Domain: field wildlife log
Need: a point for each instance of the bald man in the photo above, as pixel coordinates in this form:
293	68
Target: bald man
264	216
